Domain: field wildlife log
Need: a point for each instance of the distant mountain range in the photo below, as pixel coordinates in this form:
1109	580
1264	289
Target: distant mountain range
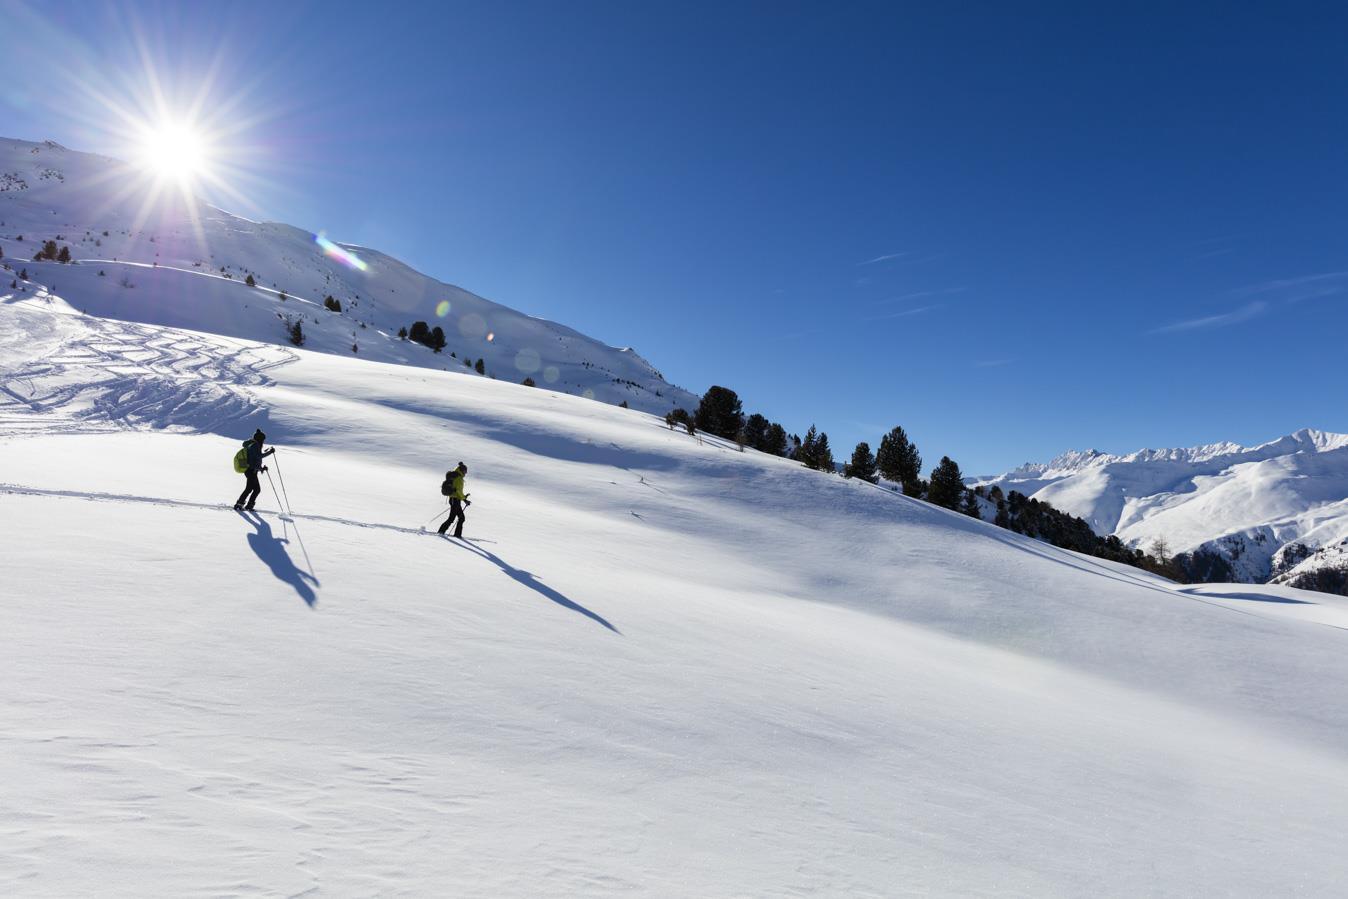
157	257
1274	512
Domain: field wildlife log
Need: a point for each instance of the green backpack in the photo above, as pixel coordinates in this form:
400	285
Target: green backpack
241	459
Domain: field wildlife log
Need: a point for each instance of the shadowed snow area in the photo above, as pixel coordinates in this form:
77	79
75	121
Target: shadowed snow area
659	666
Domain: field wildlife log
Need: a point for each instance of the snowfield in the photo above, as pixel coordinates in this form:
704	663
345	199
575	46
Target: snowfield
659	667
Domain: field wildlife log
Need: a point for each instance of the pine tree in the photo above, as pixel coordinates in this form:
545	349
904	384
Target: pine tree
420	332
250	280
402	333
64	256
719	413
480	367
805	454
862	465
898	459
1002	519
528	382
332	303
947	484
970	506
756	431
436	340
296	332
823	456
775	440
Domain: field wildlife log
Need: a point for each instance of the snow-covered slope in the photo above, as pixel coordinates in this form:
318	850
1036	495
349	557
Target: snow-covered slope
662	668
1245	503
148	256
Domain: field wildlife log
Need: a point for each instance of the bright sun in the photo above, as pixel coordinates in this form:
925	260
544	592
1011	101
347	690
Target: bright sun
174	152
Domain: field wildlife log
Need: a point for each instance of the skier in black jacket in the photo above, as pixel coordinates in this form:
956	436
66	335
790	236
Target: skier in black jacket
255	456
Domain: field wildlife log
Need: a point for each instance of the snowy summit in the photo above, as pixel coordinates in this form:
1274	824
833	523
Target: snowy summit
1277	511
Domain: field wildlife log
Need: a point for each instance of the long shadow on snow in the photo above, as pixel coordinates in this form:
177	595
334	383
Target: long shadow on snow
528	580
1252	597
272	551
533	440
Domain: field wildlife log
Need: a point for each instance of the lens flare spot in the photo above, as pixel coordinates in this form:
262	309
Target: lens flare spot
472	325
442	308
490	337
551	374
342	255
528	361
588	394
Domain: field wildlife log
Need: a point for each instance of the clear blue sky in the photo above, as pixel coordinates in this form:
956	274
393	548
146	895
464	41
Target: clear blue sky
1012	228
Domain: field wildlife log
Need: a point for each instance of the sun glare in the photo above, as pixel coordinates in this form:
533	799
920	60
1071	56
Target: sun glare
174	152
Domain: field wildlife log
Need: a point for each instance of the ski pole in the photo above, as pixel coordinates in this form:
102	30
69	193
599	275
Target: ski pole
277	460
438	513
275	494
286	520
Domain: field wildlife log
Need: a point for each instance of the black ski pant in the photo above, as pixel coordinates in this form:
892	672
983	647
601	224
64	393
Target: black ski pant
455	514
251	489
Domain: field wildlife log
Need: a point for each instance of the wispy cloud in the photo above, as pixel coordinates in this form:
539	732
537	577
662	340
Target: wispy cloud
920	294
885	258
1244	313
904	313
1323	284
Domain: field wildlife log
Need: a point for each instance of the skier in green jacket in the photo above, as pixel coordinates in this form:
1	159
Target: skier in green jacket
453	488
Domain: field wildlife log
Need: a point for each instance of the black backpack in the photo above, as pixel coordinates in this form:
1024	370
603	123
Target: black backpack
447	488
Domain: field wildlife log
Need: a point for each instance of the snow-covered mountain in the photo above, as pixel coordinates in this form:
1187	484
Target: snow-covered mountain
1266	509
150	256
658	666
641	676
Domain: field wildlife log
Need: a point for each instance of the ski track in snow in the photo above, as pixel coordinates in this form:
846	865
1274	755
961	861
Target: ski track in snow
126	376
290	516
20	490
